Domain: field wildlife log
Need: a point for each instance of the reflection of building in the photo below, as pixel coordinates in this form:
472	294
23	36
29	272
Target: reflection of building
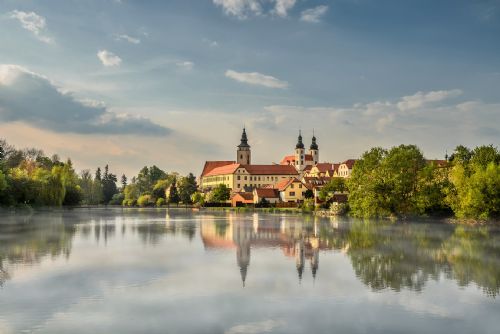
295	240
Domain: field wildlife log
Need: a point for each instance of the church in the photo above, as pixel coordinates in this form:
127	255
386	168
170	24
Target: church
241	175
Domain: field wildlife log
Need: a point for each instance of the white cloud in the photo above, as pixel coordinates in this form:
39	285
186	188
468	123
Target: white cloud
108	58
187	65
240	8
130	39
313	15
255	78
210	42
32	22
420	99
283	6
244	9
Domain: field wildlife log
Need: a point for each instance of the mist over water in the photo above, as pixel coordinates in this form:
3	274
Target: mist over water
159	271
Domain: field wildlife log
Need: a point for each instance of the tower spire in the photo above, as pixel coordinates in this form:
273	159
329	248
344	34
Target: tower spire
299	141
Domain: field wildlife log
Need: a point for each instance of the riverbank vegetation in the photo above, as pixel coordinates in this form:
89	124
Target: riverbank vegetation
400	182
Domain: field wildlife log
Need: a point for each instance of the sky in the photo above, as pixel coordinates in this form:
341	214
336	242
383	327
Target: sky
131	83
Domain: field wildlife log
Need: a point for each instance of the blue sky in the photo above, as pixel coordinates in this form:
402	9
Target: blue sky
172	82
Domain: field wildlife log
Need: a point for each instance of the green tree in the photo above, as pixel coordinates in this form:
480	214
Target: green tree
336	184
173	194
109	188
198	198
220	194
187	187
123	182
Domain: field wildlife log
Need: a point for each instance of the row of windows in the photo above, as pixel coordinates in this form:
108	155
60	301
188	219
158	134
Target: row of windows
257	178
216	178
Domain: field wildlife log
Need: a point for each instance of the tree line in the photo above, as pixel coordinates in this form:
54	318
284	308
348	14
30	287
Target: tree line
401	182
29	177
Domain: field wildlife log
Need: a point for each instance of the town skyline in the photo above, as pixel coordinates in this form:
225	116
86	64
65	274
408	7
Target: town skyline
173	84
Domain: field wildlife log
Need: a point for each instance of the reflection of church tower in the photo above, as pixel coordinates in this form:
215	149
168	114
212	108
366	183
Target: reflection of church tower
315	262
243	153
300	257
242	236
243	259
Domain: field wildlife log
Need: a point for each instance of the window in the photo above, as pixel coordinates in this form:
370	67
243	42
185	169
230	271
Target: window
291	186
239	177
300	186
241	156
238	185
245	178
292	193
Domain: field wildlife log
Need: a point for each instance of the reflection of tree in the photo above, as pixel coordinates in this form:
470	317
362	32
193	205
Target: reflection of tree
399	256
221	227
27	241
474	257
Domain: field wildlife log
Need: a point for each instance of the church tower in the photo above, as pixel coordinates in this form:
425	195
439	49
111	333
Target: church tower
314	150
299	154
243	153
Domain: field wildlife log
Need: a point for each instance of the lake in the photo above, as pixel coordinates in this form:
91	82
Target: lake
157	271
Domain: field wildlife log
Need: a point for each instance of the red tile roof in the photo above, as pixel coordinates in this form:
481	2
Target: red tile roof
289	159
282	185
223	170
246	197
349	163
323	167
210	165
267	193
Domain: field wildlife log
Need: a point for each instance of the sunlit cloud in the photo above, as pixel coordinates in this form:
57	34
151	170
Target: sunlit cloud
33	22
108	58
258	79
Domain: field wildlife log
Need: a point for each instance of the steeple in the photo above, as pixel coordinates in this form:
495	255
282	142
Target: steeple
314	145
244	139
299	142
243	154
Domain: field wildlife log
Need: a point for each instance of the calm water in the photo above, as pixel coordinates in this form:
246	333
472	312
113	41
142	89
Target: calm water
132	271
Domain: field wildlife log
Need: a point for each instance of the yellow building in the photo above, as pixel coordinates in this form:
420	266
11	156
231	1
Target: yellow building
241	174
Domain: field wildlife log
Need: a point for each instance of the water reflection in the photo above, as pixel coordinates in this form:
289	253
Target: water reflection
382	255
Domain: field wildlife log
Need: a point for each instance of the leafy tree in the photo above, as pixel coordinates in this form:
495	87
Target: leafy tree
160	202
187	187
91	189
117	199
173	194
309	194
198	198
220	194
336	184
123	182
145	200
131	193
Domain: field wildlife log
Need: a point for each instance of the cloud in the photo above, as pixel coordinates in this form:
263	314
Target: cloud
313	15
186	65
243	9
255	78
239	8
31	98
32	22
420	99
210	42
130	39
108	58
283	6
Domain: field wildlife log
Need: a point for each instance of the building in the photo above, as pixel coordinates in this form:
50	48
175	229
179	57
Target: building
345	168
270	195
291	190
241	174
300	160
241	199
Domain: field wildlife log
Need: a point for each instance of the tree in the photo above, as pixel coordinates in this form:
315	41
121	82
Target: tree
108	185
145	200
475	184
308	194
173	194
187	187
220	194
123	182
336	184
198	198
98	176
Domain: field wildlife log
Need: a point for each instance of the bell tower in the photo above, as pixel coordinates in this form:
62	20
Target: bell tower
314	150
243	156
299	154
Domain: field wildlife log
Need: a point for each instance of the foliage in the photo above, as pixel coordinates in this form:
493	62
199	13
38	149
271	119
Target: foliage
173	194
220	194
475	184
336	184
308	194
160	202
145	200
307	205
117	199
187	187
198	198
